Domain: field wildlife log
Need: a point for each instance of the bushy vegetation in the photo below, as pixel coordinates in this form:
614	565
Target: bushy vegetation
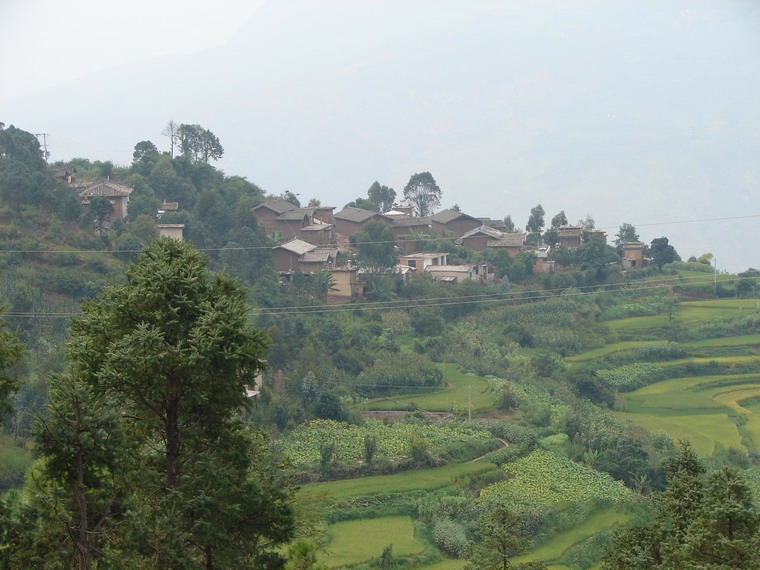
553	369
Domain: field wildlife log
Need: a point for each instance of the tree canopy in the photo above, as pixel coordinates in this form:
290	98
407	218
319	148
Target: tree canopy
702	521
423	193
662	252
150	411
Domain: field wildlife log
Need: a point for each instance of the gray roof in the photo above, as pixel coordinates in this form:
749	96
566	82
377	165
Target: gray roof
296	214
351	214
321	254
297	246
108	189
508	239
446	216
279	206
409	222
483	230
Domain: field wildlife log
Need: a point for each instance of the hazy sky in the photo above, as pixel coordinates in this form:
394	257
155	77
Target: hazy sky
46	42
633	111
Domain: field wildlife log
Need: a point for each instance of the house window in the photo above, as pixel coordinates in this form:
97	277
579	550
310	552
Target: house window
412	263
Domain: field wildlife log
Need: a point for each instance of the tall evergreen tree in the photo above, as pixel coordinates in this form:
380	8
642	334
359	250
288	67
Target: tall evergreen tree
172	352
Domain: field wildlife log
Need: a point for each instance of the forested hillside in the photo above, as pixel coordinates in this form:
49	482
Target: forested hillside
473	423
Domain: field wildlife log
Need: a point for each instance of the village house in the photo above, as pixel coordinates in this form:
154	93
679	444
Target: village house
570	237
453	222
479	238
171	231
421	260
345	282
351	220
511	242
313	224
405	230
117	194
482	272
633	255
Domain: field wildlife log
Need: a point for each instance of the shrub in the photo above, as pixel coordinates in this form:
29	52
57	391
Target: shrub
450	537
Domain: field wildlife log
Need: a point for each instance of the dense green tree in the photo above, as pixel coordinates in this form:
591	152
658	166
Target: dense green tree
501	537
595	256
11	352
702	521
376	244
509	225
24	176
662	252
535	220
101	208
382	196
364	204
559	220
423	193
83	476
626	234
143	150
198	143
173	347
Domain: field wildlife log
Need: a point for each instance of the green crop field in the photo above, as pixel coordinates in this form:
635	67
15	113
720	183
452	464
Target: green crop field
352	542
703	410
417	480
454	398
553	549
612	348
742	340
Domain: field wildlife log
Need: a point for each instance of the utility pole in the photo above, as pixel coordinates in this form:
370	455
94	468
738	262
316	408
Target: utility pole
715	274
44	144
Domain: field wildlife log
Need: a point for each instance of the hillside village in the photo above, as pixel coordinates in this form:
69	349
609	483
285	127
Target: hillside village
386	385
318	238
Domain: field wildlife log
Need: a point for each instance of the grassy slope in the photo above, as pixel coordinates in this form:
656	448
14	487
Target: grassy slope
352	542
459	386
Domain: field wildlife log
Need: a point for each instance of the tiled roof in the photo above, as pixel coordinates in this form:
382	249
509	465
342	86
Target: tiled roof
296	214
108	189
508	239
319	255
446	216
297	246
483	230
352	214
279	206
409	222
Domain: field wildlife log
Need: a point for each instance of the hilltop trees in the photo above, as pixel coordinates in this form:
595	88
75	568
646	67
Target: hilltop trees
423	193
662	252
627	233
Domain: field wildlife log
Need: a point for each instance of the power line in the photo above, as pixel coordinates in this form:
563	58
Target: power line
510	297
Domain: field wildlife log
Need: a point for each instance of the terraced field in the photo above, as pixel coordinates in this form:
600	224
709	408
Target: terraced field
709	410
